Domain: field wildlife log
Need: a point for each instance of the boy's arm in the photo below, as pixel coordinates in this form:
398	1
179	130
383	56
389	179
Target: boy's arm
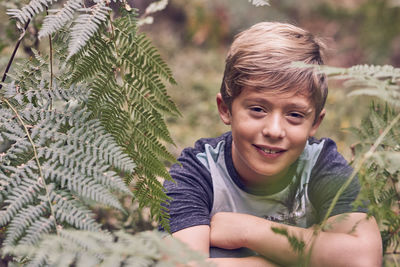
352	241
198	239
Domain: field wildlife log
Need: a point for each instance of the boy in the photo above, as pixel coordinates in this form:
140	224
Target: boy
269	172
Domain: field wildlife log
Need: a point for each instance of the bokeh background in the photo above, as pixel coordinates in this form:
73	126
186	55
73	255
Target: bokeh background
193	38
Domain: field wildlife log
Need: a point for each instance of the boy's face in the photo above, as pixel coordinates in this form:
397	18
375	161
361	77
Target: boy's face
269	133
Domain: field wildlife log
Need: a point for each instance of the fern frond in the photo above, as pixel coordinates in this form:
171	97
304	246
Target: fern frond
30	10
150	121
380	177
150	192
156	6
380	81
259	2
140	47
22	192
86	25
79	160
148	88
24	219
139	127
142	141
383	92
83	248
28	73
60	17
70	210
128	96
84	153
37	229
97	57
388	160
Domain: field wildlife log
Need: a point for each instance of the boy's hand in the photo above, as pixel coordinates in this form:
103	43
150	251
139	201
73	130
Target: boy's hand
228	230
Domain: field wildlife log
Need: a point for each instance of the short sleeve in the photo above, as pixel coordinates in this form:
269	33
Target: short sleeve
191	192
330	172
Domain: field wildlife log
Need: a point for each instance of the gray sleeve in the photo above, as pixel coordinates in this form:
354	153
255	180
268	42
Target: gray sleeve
330	172
191	193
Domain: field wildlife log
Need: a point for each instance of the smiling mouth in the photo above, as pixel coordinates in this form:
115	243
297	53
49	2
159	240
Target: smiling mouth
270	151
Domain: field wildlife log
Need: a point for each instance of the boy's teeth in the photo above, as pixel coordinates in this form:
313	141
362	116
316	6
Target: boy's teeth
269	151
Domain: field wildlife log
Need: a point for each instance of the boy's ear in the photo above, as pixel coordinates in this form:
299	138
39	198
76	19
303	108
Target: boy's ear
223	110
317	122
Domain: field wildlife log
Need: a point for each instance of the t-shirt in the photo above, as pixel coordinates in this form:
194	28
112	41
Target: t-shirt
206	182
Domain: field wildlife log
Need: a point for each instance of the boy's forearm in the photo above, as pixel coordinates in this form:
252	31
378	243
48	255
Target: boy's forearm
324	249
329	249
278	248
232	230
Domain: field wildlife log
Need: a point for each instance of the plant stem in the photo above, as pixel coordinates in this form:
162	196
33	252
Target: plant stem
14	52
51	65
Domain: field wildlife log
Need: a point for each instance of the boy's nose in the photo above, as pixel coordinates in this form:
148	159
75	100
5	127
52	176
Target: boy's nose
273	127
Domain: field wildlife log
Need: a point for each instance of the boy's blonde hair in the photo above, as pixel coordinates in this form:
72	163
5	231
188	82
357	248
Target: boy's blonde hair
261	57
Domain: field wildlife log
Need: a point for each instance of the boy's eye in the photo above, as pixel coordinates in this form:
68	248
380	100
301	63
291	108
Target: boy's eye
296	115
256	109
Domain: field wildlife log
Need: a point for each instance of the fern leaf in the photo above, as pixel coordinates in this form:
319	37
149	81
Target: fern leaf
380	177
79	160
24	219
83	248
259	2
140	47
24	190
68	209
27	75
55	21
35	231
96	57
388	160
86	25
156	6
379	81
148	84
149	192
129	97
27	12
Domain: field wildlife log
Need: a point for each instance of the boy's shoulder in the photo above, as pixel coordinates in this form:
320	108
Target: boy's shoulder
323	156
325	148
204	144
196	155
212	141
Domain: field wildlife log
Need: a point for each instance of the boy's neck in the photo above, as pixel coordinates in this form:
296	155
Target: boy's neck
271	187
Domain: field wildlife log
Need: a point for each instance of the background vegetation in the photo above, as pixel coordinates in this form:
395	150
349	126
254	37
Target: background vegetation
193	37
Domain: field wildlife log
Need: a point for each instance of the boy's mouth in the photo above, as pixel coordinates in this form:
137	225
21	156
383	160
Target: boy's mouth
270	150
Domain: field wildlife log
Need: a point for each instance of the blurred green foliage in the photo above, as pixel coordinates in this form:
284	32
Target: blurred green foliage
194	36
